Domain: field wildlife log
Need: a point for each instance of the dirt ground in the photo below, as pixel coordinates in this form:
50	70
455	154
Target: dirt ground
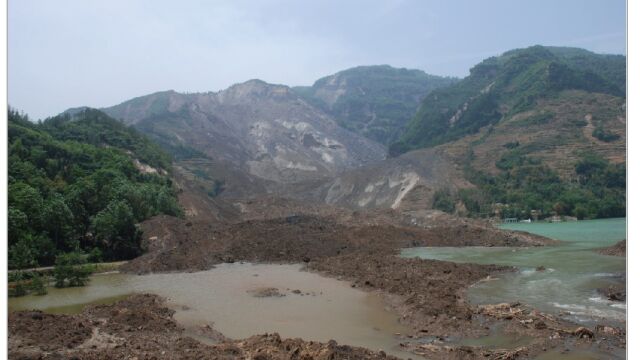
184	245
141	327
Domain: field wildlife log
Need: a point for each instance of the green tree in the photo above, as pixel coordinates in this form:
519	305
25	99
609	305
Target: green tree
28	200
18	225
38	284
115	226
21	257
57	220
71	270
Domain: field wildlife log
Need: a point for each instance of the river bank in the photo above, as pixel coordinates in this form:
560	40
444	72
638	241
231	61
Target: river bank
618	249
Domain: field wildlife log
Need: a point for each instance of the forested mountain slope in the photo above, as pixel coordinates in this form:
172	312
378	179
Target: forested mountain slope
540	129
82	182
501	87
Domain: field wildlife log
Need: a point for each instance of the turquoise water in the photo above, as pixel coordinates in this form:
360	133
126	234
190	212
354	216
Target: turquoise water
573	271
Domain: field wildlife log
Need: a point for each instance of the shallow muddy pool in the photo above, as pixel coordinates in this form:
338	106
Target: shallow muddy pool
572	270
225	298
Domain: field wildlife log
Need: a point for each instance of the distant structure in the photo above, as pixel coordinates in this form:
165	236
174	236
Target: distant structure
510	220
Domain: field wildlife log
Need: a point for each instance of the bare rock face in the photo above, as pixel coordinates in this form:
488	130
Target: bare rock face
266	130
406	183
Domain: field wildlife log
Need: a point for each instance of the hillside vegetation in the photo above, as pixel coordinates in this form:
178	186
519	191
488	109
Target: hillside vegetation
81	183
540	131
500	87
374	101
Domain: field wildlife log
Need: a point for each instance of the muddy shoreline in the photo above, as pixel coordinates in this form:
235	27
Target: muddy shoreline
428	295
618	249
142	327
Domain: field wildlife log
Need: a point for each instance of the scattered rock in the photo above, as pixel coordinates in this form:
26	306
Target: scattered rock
583	332
266	292
615	292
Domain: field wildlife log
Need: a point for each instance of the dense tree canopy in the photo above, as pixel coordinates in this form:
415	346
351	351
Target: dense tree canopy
73	186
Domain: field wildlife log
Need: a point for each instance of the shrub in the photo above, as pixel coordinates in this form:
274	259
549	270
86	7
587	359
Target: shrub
95	256
604	135
443	200
39	284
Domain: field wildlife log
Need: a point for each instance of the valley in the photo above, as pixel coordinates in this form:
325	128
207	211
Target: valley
354	218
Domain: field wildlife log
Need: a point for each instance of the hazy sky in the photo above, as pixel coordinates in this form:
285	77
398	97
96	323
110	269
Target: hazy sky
68	53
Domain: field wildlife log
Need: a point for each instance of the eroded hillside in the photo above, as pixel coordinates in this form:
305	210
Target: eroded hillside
265	130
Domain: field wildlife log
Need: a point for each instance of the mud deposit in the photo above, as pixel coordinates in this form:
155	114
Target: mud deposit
241	300
142	327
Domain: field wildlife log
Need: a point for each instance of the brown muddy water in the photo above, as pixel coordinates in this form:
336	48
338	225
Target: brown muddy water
224	298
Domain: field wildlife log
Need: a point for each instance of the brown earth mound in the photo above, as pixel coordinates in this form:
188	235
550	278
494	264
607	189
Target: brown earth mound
61	331
619	249
181	245
432	291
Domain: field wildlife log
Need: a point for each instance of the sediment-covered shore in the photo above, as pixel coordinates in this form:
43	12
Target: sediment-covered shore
427	295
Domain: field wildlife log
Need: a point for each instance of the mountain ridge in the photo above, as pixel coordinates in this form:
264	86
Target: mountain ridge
546	108
496	88
375	101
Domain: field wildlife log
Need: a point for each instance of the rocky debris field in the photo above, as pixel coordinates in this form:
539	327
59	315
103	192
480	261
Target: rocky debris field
142	327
